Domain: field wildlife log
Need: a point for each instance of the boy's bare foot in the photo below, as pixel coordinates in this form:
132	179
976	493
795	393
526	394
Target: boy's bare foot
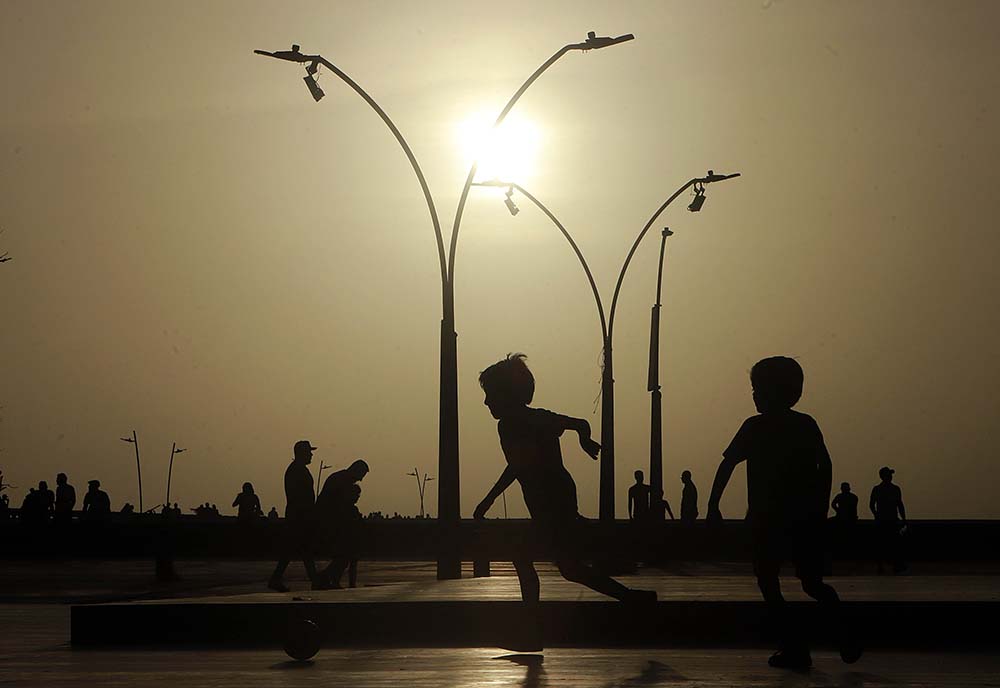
790	659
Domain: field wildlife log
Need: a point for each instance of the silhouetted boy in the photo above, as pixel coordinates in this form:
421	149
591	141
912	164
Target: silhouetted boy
845	505
689	499
886	504
638	499
529	438
299	516
337	514
65	499
788	489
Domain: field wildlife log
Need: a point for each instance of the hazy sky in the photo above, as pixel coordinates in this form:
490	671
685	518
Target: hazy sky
204	254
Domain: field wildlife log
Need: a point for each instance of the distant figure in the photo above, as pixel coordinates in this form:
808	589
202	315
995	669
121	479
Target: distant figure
96	503
31	513
272	515
65	499
529	438
845	505
638	499
46	500
248	504
335	511
886	504
788	489
300	506
689	499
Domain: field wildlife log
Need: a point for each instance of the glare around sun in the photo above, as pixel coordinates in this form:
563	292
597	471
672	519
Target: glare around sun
507	153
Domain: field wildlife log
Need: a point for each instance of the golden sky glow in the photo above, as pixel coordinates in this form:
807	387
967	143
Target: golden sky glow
203	253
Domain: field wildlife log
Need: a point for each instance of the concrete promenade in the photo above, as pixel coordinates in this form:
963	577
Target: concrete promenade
35	648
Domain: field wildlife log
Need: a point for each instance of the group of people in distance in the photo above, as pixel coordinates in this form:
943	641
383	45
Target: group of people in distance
642	501
329	521
41	504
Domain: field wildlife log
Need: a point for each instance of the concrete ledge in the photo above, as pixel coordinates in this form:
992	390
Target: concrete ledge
467	623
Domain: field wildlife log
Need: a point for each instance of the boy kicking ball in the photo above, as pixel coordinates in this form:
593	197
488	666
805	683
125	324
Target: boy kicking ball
529	438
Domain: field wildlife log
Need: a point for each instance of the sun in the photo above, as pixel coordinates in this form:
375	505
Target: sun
508	152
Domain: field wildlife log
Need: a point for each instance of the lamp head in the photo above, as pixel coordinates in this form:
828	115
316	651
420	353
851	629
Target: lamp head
314	89
699	199
511	206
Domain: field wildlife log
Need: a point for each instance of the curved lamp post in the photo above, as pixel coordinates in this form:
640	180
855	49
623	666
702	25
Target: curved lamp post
607	488
170	469
134	440
449	504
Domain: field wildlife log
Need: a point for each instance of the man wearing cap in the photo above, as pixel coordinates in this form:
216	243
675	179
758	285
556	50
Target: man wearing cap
886	505
300	499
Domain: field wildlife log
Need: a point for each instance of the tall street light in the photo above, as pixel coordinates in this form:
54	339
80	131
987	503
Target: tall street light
449	504
607	480
656	501
170	469
134	440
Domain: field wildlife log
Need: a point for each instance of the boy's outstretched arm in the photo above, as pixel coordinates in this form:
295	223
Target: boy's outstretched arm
722	477
582	428
503	482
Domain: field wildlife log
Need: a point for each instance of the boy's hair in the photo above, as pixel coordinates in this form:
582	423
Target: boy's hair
510	379
777	382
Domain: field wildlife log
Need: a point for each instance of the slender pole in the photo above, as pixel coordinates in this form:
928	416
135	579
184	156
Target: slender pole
170	470
138	466
657	510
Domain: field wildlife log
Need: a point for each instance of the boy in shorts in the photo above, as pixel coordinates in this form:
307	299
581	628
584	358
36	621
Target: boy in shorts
788	489
529	438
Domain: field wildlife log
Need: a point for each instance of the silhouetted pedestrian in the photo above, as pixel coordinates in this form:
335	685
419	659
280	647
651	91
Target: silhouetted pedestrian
272	515
46	500
247	504
31	513
335	511
886	504
300	508
689	499
529	438
96	503
638	499
65	499
845	505
788	489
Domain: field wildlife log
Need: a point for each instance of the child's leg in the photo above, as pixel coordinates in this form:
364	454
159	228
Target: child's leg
527	577
576	571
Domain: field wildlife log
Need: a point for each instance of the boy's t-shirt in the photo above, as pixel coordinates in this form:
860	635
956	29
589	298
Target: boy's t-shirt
782	451
530	443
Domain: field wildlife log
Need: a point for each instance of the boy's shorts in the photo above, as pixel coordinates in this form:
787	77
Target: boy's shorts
775	541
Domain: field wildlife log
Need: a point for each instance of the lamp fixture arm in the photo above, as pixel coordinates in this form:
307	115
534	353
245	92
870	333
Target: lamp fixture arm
579	254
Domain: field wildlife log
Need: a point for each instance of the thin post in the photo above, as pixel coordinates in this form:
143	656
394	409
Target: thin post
138	466
656	400
170	470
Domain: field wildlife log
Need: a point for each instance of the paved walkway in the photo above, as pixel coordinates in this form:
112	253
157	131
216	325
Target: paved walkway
37	655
